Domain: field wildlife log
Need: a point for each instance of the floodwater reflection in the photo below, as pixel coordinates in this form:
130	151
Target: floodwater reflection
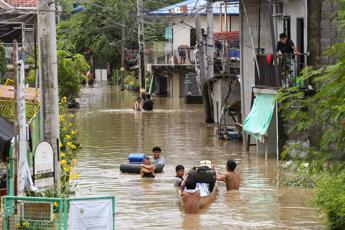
110	129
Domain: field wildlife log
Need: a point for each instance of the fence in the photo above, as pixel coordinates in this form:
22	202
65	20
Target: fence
33	213
288	68
8	102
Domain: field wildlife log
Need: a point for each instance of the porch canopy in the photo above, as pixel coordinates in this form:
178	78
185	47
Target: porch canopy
260	116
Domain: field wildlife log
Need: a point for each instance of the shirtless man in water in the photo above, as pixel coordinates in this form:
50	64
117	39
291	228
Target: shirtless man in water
190	198
147	169
231	178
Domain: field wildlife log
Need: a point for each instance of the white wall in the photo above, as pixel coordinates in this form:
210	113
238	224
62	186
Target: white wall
217	99
295	9
181	32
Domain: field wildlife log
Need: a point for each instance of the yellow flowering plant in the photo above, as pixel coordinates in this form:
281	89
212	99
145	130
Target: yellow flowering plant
69	144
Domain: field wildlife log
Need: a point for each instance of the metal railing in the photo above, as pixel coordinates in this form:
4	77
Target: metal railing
26	213
279	71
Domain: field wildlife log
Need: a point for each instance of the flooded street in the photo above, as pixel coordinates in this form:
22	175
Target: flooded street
110	129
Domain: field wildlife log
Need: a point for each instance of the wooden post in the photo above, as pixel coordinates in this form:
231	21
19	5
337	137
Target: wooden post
16	127
141	43
122	70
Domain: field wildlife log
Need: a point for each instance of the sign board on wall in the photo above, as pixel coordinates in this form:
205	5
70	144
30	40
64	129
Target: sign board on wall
91	214
44	166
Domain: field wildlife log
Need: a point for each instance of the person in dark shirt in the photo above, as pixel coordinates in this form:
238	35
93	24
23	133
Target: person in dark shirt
286	46
148	103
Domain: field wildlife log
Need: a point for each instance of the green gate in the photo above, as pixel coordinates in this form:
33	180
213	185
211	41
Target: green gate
38	213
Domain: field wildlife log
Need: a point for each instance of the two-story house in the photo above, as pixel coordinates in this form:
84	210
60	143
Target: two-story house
175	58
309	24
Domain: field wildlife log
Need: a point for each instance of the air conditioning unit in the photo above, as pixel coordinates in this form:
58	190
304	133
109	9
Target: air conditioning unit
277	9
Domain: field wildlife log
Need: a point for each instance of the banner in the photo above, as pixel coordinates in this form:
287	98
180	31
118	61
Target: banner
91	214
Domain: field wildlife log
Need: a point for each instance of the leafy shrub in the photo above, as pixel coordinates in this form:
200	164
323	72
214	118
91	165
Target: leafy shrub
31	78
330	198
298	174
70	71
3	62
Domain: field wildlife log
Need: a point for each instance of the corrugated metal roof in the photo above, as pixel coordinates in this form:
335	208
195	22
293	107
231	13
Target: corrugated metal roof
22	3
193	6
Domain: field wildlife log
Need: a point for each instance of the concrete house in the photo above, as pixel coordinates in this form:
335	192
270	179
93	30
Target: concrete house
175	58
309	24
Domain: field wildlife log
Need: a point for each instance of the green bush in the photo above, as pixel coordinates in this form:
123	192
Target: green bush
330	198
3	62
71	71
298	174
31	78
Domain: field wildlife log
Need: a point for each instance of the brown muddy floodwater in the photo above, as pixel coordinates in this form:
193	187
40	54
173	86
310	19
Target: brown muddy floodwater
110	129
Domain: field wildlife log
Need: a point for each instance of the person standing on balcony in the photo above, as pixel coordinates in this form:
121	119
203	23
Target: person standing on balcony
286	46
288	49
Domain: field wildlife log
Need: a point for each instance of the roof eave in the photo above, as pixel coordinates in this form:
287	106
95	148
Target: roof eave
184	15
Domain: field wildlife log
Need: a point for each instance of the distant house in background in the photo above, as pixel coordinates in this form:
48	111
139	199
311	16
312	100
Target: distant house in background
18	20
181	31
171	61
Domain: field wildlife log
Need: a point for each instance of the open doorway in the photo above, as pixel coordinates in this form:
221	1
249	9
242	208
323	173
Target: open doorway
300	43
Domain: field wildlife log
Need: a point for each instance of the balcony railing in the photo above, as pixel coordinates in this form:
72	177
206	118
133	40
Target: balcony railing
279	71
175	57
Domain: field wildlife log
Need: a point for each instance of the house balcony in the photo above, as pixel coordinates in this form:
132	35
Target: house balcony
184	56
279	71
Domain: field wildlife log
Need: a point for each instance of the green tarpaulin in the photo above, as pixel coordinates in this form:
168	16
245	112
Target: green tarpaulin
260	116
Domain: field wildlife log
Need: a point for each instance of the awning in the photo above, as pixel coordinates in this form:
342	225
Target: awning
168	33
260	116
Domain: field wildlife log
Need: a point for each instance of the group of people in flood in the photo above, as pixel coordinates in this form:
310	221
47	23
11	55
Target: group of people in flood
143	102
197	182
200	181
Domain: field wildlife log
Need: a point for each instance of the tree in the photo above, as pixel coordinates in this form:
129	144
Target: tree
98	29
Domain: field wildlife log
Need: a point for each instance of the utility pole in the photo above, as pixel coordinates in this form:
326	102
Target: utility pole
140	16
122	70
210	64
202	68
209	41
201	48
49	80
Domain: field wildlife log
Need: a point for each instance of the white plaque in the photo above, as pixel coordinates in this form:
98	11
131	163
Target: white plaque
44	183
91	214
44	158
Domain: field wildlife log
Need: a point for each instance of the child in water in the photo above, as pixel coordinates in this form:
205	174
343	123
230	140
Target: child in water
231	177
147	169
137	105
179	175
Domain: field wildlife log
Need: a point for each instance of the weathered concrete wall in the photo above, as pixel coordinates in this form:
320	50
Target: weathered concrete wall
175	85
181	32
249	42
295	9
329	34
220	91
